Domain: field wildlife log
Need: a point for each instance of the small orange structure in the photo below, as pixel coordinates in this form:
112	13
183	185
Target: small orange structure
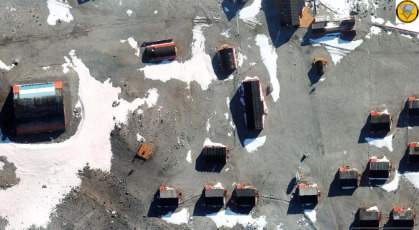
306	19
144	151
318	65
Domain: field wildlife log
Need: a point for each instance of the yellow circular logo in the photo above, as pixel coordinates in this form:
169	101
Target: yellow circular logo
407	11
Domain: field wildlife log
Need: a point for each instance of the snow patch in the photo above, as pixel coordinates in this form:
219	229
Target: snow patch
377	20
140	138
374	30
229	219
373	208
311	214
226	116
129	12
413	177
381	142
269	57
155	12
225	33
393	185
198	68
240	58
46	67
58	10
6	67
208	125
189	157
218	185
208	142
178	218
1	165
133	44
253	144
406	36
248	14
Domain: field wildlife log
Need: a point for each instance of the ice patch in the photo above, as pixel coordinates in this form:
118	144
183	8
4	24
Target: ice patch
393	185
249	13
208	142
311	214
374	30
6	67
58	10
129	12
198	68
55	165
253	144
229	219
189	157
338	48
381	142
269	57
178	218
140	138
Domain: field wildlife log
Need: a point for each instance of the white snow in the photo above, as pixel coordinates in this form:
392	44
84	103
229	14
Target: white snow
198	68
58	10
229	219
56	165
140	138
178	218
311	214
225	33
189	157
226	116
341	7
208	142
280	226
208	125
240	58
338	48
373	208
1	165
6	67
406	36
322	79
133	44
374	30
413	177
393	185
269	57
155	12
228	102
381	142
218	185
253	144
248	14
377	20
46	67
129	12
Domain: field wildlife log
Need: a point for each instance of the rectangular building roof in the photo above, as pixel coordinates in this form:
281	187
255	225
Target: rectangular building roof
254	104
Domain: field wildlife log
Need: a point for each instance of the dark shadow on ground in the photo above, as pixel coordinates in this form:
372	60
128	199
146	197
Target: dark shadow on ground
405	166
82	1
244	210
156	211
232	8
336	190
144	58
237	113
278	34
291	185
201	209
355	223
217	68
314	78
366	132
365	177
202	166
294	206
404	120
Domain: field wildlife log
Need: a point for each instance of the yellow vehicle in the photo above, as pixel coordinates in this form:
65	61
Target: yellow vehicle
318	65
144	151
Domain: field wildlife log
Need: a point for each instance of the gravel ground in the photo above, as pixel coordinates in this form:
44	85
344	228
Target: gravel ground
324	118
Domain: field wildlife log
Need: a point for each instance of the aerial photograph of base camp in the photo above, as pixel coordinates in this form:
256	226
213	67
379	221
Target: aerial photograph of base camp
211	114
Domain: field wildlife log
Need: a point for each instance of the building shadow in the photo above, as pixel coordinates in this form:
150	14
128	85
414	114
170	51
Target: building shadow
239	209
231	9
355	223
291	186
313	77
404	120
294	206
405	166
156	211
279	35
216	65
202	166
336	190
201	209
365	180
366	132
82	1
237	113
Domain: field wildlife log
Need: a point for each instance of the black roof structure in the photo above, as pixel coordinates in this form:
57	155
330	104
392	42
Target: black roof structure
348	23
369	218
318	28
290	11
254	105
405	218
308	195
159	52
413	108
214	197
246	196
169	198
413	152
319	66
348	178
380	122
215	154
227	60
379	169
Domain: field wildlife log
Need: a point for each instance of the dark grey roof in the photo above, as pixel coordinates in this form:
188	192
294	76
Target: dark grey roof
156	52
379	165
227	59
214	197
348	175
215	154
168	194
383	118
310	191
291	10
368	215
214	192
403	215
246	196
254	105
413	108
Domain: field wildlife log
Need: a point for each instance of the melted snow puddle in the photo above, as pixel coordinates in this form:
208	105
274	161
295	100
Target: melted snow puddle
55	165
178	218
269	57
198	68
58	10
253	144
381	142
229	219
